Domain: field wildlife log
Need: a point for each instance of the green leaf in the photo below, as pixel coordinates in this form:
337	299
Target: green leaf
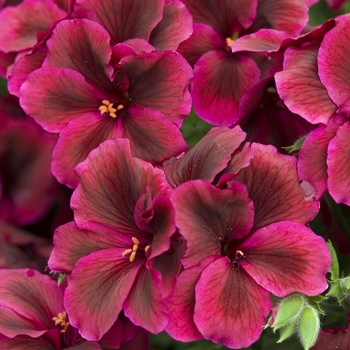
289	309
308	327
334	268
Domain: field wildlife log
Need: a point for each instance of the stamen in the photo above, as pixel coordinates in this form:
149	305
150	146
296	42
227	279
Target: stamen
61	320
147	247
229	42
132	251
107	107
239	254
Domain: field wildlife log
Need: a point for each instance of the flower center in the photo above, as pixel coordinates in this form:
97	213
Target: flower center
61	320
230	40
107	107
133	251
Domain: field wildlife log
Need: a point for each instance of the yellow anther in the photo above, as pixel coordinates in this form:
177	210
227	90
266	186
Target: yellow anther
119	107
132	256
132	251
126	252
147	247
107	107
229	42
61	320
135	240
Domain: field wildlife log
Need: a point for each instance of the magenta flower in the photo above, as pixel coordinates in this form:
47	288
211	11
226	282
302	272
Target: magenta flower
240	249
120	253
32	314
140	97
221	77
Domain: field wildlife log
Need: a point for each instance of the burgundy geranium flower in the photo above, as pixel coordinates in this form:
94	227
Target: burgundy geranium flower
32	314
88	100
242	240
223	293
220	76
119	253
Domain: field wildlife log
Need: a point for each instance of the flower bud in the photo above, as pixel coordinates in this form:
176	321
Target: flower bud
308	327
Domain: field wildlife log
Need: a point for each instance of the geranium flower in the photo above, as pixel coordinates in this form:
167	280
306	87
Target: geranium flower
120	253
140	97
240	249
220	76
32	314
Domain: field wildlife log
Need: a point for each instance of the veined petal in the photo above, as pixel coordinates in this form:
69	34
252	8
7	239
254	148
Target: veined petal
290	16
300	87
77	140
207	158
144	305
24	342
206	216
181	304
338	165
155	84
220	80
53	97
312	166
72	243
273	185
230	307
99	284
333	62
175	26
21	23
125	19
225	16
153	137
81	45
287	257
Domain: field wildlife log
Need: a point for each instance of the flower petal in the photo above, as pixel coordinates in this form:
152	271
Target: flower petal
300	87
83	46
338	165
287	257
312	166
53	97
207	158
273	185
72	243
99	285
152	136
175	26
77	140
126	19
220	80
230	307
155	84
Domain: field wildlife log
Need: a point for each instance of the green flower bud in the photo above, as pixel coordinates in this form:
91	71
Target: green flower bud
288	311
345	285
308	327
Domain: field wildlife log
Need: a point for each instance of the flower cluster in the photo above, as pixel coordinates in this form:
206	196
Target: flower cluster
141	234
